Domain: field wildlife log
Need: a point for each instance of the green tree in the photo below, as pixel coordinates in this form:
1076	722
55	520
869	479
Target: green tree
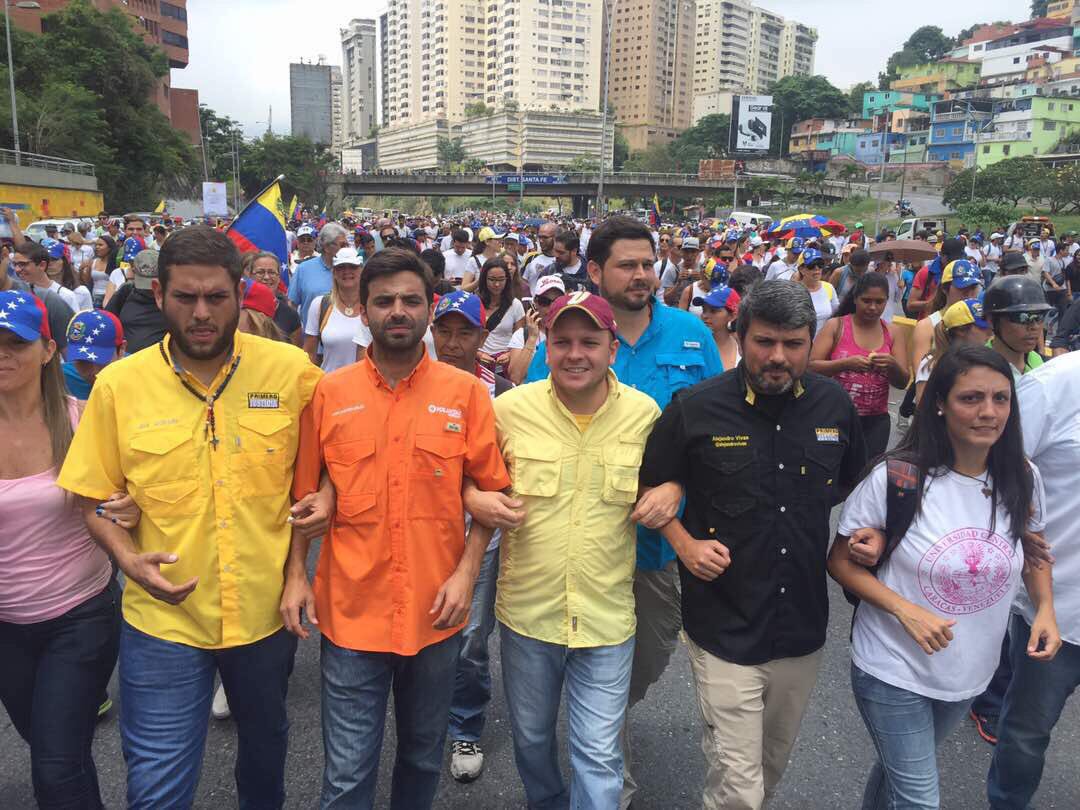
477	109
966	33
657	158
511	105
761	188
849	173
1039	8
583	164
855	96
304	164
472	166
450	152
796	98
96	103
1004	182
926	44
621	151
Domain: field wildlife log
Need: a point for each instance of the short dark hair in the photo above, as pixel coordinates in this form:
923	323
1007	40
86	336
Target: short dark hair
161	230
786	304
569	240
129	218
744	278
199	244
435	260
859	258
33	251
610	231
402	243
392	261
459	235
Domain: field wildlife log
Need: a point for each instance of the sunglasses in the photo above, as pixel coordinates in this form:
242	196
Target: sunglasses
545	302
1025	318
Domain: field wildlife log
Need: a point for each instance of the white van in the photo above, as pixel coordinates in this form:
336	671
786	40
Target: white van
744	218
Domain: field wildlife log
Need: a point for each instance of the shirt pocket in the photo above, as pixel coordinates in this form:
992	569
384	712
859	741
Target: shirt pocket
728	473
681	369
820	467
356	510
172	499
537	472
351	465
260	465
435	491
622	462
161	457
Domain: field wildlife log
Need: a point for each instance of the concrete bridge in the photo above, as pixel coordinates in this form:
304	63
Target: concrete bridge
580	187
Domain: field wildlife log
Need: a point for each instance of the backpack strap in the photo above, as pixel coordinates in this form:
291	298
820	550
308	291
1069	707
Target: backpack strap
324	313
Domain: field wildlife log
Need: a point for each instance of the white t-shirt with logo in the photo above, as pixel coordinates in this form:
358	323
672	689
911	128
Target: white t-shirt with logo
457	265
950	564
535	268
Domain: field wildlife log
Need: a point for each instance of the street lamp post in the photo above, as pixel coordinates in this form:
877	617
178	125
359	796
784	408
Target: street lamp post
604	106
11	74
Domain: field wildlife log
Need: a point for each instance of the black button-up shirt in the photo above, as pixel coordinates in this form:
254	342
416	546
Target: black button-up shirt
761	475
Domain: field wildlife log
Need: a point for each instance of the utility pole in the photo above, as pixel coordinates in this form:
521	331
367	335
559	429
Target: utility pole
881	177
236	172
610	14
270	121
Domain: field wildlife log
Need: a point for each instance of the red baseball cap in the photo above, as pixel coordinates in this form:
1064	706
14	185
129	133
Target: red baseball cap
597	308
260	298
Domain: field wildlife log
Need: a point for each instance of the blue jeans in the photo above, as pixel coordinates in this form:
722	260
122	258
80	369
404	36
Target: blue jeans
906	729
597	685
989	703
52	676
165	694
1032	707
472	684
355	689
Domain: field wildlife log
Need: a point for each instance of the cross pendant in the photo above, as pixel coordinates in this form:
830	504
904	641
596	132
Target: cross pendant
214	441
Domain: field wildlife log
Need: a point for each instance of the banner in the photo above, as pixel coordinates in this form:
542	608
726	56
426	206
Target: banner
215	200
751	123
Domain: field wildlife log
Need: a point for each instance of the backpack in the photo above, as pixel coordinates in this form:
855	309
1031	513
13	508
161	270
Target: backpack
901	501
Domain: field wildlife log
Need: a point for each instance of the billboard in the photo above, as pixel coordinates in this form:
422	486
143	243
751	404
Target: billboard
751	123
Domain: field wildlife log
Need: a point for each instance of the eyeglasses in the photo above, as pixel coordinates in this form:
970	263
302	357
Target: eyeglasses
19	265
496	279
1025	318
545	302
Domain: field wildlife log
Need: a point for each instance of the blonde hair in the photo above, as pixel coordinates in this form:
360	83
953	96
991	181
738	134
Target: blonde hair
54	401
263	326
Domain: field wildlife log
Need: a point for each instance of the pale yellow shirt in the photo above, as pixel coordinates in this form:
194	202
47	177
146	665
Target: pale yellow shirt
222	511
566	576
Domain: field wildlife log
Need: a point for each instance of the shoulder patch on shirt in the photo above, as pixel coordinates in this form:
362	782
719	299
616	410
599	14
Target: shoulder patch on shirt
825	434
262	399
691	344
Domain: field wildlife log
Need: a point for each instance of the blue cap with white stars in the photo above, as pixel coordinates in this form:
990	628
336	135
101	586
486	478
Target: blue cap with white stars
24	314
94	336
466	304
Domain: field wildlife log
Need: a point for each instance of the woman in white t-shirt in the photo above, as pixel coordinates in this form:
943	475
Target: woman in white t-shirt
505	314
101	267
927	636
822	293
329	327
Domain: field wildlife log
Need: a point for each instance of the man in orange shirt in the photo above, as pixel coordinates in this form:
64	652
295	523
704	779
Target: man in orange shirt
396	433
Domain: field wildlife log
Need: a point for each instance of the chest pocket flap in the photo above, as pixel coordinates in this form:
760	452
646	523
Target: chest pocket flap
682	368
351	465
159	442
441	446
265	424
537	471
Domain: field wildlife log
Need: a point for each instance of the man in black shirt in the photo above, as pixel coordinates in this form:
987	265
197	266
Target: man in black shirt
764	452
134	304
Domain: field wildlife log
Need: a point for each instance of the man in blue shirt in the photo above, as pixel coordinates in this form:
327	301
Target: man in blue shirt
661	350
314	276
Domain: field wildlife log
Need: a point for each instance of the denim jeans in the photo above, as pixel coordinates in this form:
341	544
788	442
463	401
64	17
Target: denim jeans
52	675
165	694
906	729
355	688
472	684
597	684
1033	705
989	703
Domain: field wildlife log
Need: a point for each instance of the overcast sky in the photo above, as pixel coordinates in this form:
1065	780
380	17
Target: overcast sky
241	49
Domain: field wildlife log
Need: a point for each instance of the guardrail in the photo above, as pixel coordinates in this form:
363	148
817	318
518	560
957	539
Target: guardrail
54	164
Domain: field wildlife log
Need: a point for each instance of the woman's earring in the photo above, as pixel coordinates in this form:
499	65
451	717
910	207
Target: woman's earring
940	412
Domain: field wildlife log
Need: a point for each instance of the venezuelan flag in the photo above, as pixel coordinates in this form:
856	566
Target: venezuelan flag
654	213
261	225
294	208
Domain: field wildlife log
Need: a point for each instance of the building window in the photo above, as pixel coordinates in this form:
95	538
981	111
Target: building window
1005	149
169	10
986	150
169	38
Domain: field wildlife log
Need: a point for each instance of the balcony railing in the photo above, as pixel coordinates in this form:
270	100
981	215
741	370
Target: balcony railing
55	164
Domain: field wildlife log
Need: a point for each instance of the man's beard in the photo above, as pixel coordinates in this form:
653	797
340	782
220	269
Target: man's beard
762	385
218	347
397	344
622	300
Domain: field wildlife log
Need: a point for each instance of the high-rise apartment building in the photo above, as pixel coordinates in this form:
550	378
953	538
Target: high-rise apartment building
443	55
651	69
337	108
311	101
741	48
384	65
358	72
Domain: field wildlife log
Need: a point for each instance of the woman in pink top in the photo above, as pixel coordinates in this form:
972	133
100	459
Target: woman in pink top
857	348
59	604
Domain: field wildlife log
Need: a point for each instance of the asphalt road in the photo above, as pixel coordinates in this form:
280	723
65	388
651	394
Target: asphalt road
827	770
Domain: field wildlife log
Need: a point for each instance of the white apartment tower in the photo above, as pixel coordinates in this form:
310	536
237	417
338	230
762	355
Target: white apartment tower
358	66
443	55
337	112
741	48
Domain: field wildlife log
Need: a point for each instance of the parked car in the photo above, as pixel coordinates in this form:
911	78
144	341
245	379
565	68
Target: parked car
911	228
36	230
1030	227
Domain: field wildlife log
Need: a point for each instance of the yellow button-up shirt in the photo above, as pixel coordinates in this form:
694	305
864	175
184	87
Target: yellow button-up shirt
222	510
566	576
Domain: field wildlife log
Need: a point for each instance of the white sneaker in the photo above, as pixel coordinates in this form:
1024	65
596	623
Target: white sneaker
466	760
219	710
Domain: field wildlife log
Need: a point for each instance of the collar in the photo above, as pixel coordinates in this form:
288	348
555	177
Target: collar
654	328
414	376
750	396
614	393
238	341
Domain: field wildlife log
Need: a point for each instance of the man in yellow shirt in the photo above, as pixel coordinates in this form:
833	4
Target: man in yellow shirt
201	429
565	600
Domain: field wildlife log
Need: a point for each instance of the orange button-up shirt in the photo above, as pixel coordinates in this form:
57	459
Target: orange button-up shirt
396	457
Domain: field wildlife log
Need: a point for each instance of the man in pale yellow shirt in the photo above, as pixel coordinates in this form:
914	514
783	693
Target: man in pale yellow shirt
202	430
565	602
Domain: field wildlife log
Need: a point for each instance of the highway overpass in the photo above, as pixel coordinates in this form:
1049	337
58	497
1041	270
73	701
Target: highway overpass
582	187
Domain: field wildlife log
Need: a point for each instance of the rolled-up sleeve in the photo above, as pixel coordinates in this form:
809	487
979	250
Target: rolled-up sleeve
92	467
483	461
